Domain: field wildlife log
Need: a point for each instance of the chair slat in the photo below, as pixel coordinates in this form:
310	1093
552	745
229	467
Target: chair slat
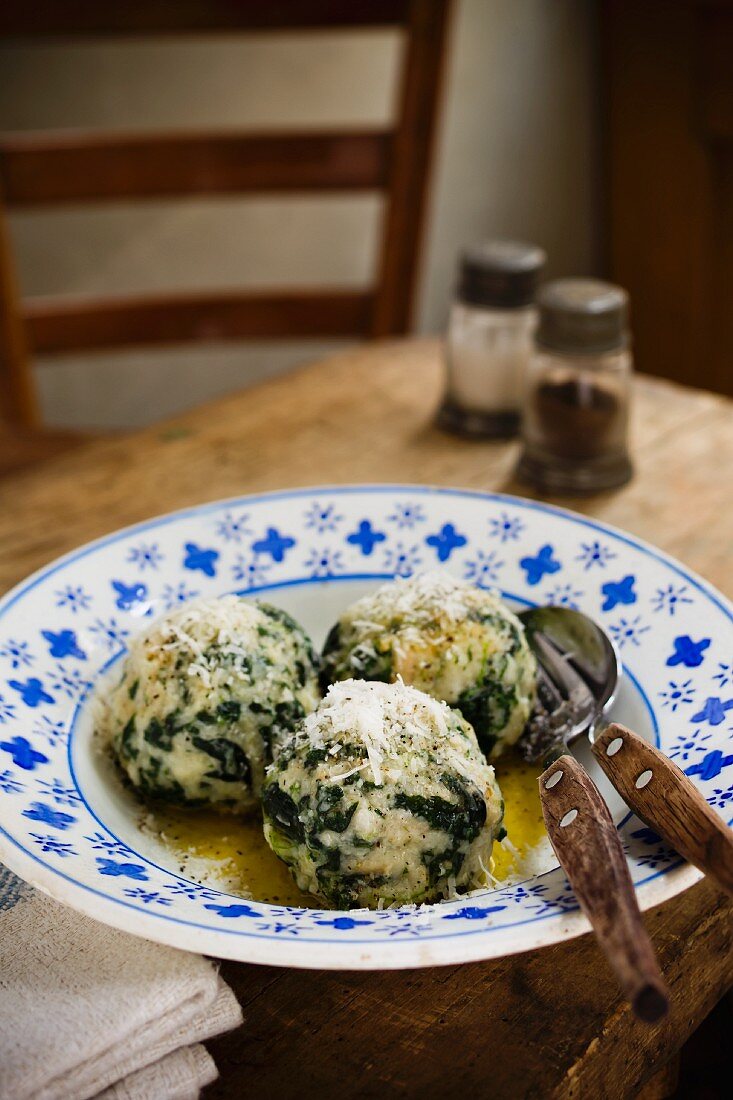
65	325
40	168
54	18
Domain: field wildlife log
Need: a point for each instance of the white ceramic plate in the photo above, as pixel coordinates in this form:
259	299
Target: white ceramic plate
67	830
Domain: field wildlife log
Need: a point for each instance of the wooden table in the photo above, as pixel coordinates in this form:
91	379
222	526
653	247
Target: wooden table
544	1024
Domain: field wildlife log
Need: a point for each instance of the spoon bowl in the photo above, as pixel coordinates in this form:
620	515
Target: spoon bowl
577	677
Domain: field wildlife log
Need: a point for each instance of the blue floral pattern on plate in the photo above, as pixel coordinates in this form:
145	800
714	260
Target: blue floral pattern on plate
62	629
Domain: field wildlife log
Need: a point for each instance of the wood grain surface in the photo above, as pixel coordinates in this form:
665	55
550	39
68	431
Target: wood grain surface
548	1023
544	1025
665	799
588	848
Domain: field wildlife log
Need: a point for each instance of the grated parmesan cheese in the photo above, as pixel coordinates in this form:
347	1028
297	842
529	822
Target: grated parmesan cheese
422	597
376	715
451	639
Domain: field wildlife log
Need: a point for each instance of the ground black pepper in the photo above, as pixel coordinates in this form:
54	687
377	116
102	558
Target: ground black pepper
578	418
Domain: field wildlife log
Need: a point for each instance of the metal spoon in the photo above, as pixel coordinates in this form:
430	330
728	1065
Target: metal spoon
578	822
578	672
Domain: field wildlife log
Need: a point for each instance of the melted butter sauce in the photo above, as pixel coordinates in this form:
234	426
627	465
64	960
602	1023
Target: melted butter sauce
523	820
236	849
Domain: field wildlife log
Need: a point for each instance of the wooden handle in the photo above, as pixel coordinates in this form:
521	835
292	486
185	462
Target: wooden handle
588	847
665	799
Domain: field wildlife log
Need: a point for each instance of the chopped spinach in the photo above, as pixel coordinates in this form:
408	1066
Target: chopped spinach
332	861
329	657
365	663
443	864
313	757
473	803
337	821
344	891
327	795
161	734
279	616
275	722
127	740
462	820
154	785
229	710
282	810
362	662
287	715
333	640
488	707
326	816
205	718
233	763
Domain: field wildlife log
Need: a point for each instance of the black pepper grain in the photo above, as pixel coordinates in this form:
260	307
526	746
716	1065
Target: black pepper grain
579	419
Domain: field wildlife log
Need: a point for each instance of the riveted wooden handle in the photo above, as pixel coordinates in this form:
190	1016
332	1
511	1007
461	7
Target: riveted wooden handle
588	847
665	799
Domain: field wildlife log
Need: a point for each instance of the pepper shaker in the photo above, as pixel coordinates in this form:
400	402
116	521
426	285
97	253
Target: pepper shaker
490	338
578	386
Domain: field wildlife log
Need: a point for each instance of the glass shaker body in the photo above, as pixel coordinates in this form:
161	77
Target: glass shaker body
575	420
490	337
487	354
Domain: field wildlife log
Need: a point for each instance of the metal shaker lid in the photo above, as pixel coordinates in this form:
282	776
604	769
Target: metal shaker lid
582	316
500	274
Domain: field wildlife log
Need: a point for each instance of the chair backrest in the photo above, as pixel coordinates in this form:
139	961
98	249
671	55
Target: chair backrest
39	169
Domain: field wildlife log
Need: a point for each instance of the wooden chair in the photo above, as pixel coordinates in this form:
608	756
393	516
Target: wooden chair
39	169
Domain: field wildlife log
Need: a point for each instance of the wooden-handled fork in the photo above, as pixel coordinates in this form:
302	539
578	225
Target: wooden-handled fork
664	798
588	847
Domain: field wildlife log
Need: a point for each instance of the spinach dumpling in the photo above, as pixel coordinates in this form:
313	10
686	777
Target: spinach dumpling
448	638
382	797
208	695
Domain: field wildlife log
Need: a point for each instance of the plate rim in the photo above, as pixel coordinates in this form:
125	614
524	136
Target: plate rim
421	488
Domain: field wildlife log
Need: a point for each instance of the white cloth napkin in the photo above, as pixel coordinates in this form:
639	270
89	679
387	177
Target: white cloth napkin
86	1011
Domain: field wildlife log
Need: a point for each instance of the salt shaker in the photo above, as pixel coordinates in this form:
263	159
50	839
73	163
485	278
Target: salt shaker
577	392
490	338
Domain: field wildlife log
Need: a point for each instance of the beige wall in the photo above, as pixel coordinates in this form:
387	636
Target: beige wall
515	157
